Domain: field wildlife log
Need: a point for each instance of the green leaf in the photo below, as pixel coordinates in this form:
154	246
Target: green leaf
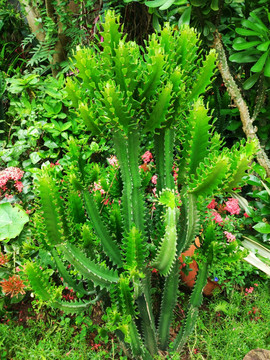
245	45
12	220
264	46
262	227
267	67
155	3
260	63
214	5
243	57
167	4
35	157
185	17
251	81
246	32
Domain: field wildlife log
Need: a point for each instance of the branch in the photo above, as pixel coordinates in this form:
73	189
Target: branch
236	96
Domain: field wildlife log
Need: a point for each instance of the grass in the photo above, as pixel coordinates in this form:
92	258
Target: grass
229	327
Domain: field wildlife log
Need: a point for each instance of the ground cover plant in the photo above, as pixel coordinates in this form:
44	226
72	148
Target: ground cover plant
135	96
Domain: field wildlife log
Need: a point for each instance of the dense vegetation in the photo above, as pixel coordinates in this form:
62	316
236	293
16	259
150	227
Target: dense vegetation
129	133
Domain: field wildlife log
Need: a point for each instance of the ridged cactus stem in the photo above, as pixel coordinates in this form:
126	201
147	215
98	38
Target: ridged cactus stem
188	221
147	317
164	144
194	304
127	151
169	300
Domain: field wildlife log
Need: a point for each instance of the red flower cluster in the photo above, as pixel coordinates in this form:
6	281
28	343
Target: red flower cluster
11	173
3	259
232	206
147	157
13	286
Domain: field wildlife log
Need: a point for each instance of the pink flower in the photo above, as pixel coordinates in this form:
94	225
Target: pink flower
249	290
232	206
147	157
154	179
212	204
19	186
229	236
246	215
97	187
256	284
11	173
113	160
217	218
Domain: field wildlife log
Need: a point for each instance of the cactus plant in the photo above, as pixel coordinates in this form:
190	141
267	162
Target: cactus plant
132	96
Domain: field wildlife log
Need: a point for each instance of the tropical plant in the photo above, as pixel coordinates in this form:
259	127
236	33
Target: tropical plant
253	46
135	98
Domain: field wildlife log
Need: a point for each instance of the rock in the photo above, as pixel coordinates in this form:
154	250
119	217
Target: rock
258	354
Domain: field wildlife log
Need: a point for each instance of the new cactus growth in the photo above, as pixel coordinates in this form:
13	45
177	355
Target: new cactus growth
132	96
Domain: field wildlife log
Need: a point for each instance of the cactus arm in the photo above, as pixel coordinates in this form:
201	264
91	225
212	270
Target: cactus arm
194	304
100	275
210	176
169	300
135	340
127	152
239	163
78	288
125	293
38	281
167	248
134	250
206	72
145	307
118	108
160	109
195	148
89	117
73	307
52	208
107	242
155	68
188	224
164	142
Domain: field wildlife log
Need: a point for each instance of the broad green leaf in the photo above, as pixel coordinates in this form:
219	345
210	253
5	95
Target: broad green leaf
214	5
246	32
245	45
258	22
262	227
185	17
12	220
260	63
243	57
251	81
264	46
167	4
253	26
35	157
267	67
155	3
